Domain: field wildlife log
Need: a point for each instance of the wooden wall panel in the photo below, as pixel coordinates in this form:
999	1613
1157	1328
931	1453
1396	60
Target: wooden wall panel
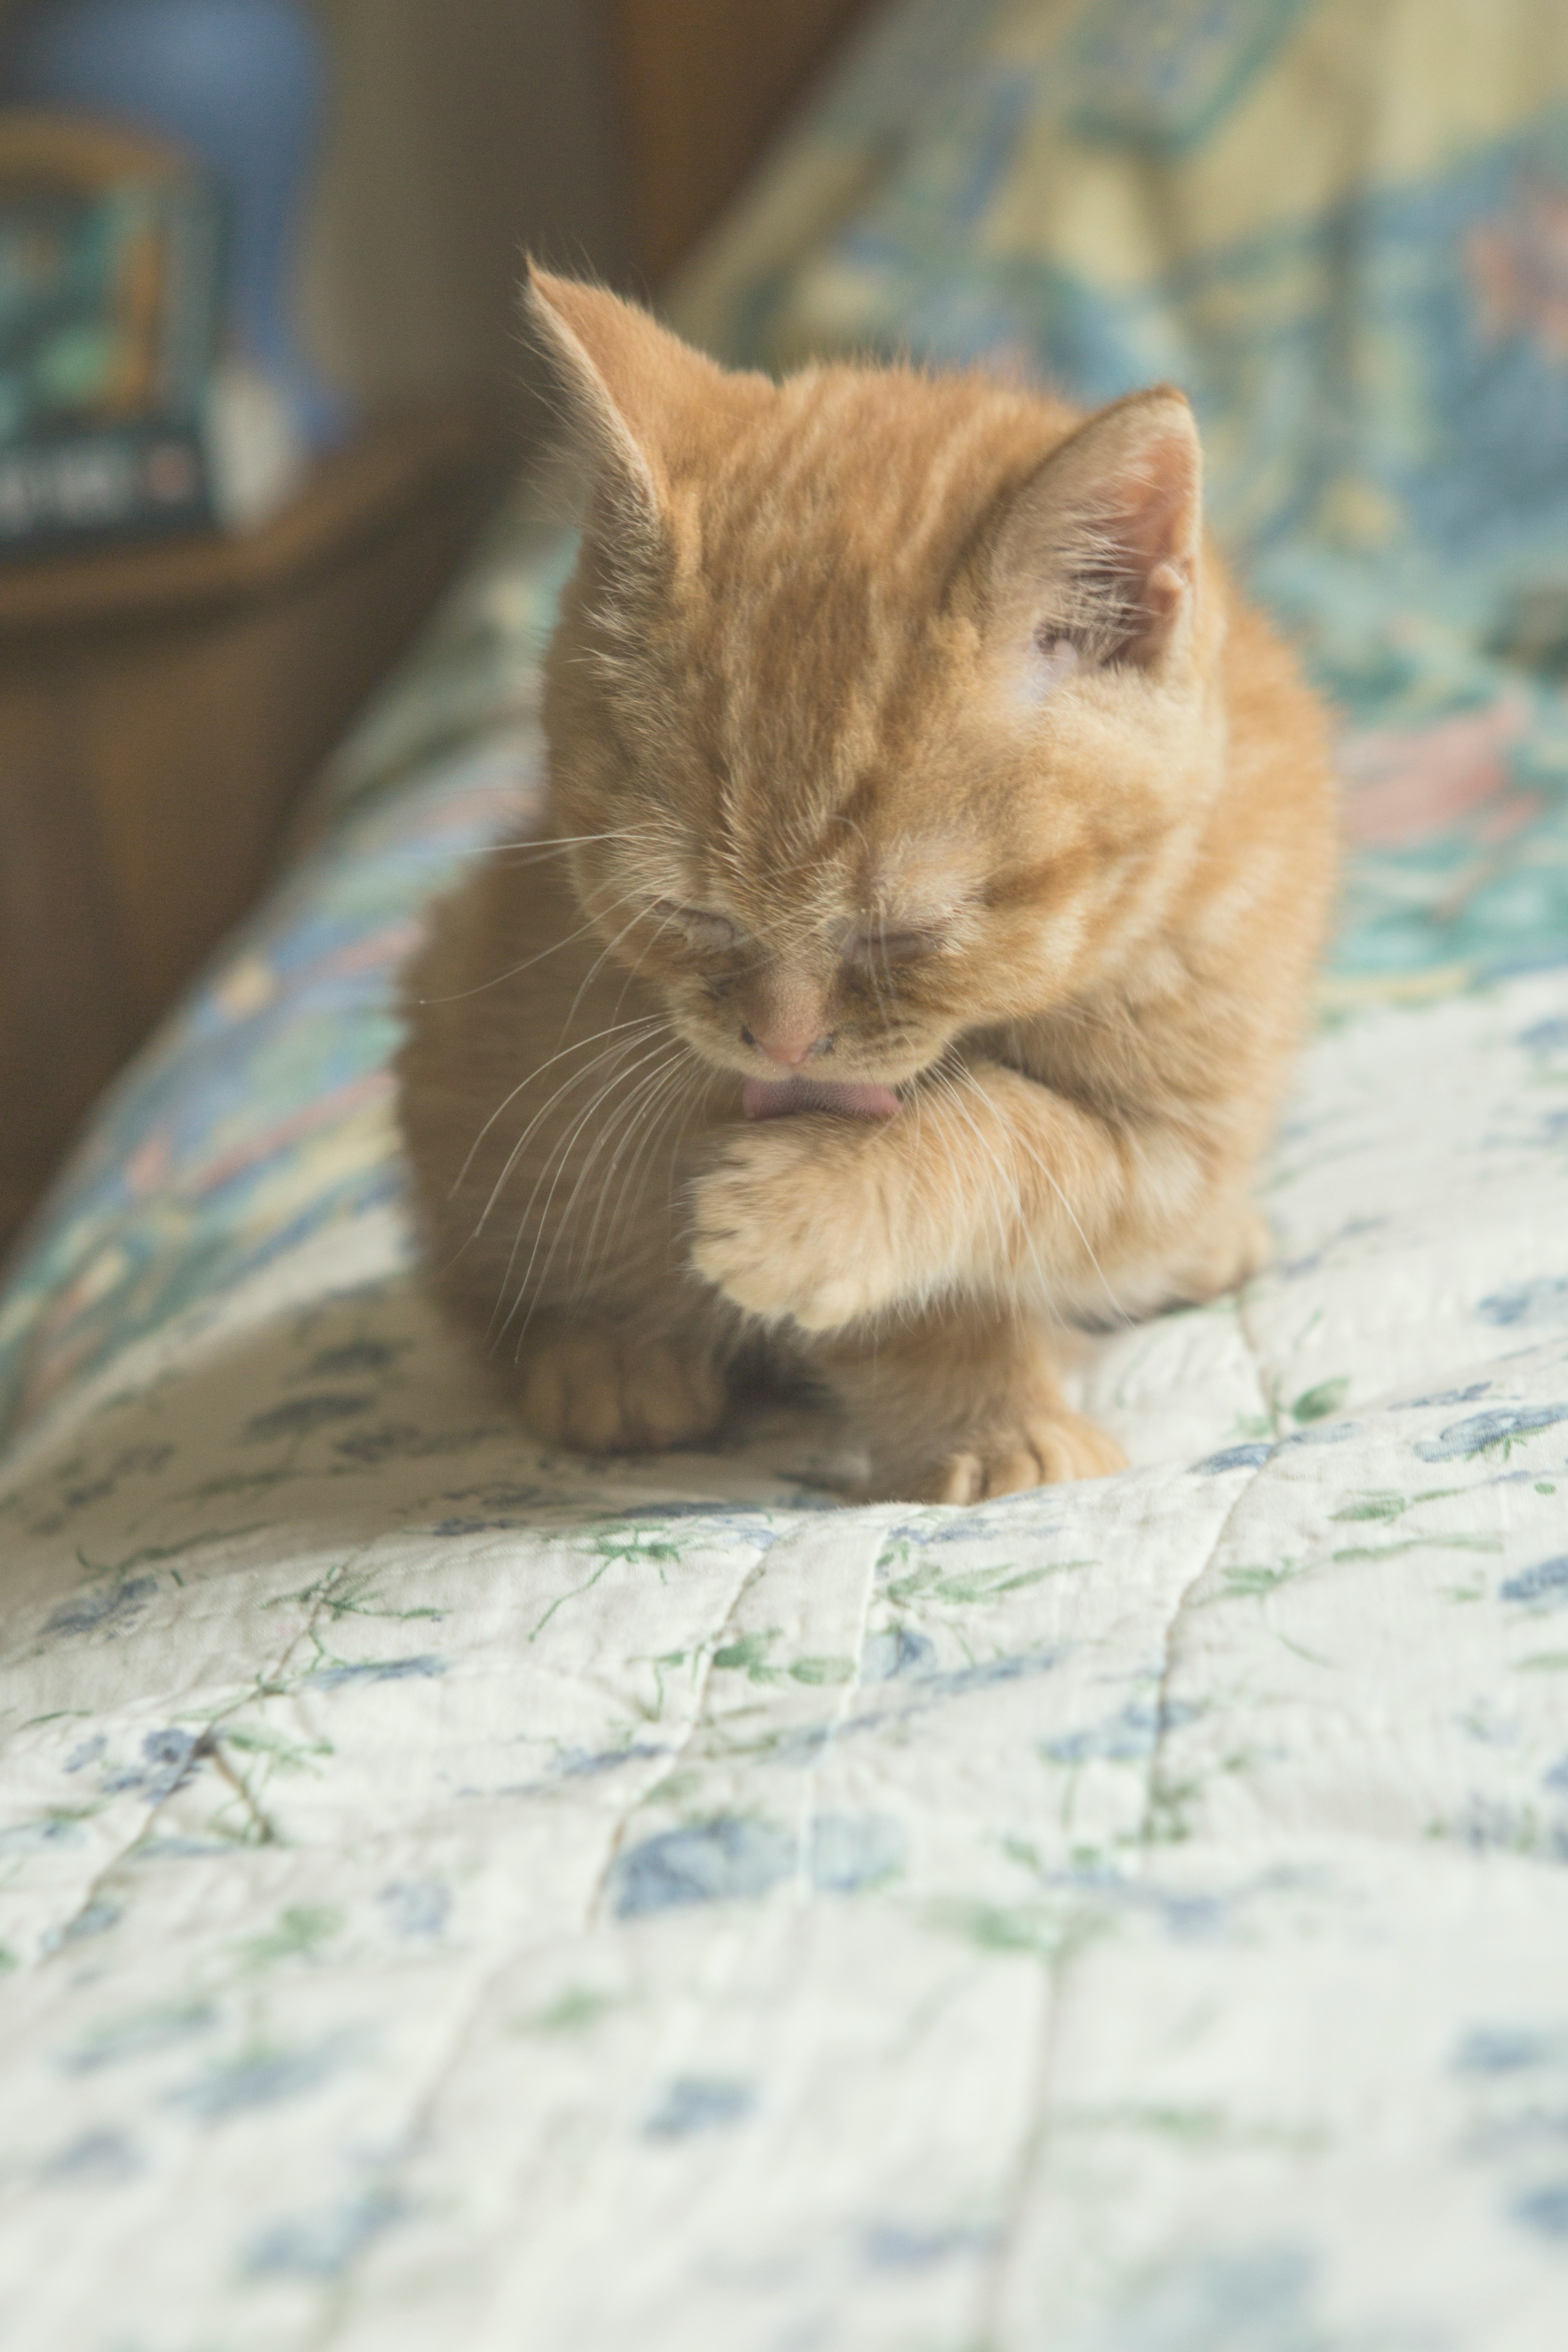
161	706
462	131
703	83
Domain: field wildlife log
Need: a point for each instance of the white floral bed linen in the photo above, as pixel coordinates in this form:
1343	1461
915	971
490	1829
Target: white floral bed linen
459	1896
463	1895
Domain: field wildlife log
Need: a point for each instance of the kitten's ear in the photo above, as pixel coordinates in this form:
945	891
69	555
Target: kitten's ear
1095	560
570	324
633	393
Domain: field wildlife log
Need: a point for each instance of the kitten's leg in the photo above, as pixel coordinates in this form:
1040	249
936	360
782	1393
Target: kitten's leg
960	1406
922	1255
552	1116
992	1188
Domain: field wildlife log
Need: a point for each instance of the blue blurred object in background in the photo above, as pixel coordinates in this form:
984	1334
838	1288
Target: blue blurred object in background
240	83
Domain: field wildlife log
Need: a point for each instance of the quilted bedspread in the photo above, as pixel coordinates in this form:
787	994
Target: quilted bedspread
455	1893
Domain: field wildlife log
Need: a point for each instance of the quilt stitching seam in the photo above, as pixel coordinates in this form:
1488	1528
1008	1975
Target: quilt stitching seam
1168	1664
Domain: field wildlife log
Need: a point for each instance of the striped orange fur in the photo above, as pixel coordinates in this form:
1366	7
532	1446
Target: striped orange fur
915	768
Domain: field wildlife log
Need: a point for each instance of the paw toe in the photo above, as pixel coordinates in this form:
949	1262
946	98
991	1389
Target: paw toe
1070	1448
670	1396
605	1395
1046	1453
960	1479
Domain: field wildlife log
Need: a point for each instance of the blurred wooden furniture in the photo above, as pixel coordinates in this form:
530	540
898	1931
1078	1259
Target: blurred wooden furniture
161	708
704	85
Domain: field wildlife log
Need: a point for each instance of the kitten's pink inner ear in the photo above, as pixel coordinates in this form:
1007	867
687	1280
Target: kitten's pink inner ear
1157	523
1099	548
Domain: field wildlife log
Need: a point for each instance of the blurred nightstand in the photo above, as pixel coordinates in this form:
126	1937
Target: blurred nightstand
161	708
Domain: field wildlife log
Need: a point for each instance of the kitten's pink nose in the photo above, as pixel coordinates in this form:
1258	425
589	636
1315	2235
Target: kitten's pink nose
790	1044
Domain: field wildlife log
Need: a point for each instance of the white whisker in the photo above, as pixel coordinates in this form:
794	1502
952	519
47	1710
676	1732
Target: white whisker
575	1048
563	1153
557	1158
565	1088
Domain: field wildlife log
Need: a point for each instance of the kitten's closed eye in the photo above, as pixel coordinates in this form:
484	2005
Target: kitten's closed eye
872	948
698	927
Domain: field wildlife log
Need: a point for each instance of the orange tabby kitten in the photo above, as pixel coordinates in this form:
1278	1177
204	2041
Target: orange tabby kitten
939	852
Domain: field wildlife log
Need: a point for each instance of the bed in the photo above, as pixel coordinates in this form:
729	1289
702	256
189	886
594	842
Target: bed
454	1893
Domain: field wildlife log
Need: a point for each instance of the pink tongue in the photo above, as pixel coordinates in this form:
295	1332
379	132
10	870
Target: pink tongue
781	1098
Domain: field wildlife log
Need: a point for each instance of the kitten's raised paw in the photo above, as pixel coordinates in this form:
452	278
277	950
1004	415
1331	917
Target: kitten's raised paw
606	1393
780	1230
1043	1451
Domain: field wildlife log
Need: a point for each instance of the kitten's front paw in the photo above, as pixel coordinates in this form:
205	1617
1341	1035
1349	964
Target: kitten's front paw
604	1393
1043	1450
777	1231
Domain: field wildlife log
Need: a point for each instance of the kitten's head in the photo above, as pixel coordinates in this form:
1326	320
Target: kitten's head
888	703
